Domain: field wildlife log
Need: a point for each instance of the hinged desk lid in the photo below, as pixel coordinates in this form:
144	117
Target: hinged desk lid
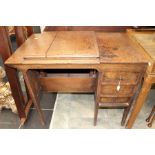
73	44
57	47
36	46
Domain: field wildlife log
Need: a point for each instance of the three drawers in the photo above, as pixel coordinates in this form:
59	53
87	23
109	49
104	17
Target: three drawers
117	86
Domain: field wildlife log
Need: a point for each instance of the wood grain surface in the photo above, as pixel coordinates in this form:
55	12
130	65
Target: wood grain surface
73	46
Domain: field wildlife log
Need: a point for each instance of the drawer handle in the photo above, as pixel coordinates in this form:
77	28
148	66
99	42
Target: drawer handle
119	85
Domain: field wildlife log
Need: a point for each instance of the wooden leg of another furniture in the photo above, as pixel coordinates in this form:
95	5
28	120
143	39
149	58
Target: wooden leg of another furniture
95	114
125	114
139	102
151	117
151	114
151	121
34	97
126	111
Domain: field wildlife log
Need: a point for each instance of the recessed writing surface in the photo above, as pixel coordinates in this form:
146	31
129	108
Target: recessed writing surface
74	44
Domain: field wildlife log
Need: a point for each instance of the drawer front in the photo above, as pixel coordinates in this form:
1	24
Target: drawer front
114	100
112	90
125	77
140	67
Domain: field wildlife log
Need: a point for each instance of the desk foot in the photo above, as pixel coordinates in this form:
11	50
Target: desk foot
140	101
31	85
22	121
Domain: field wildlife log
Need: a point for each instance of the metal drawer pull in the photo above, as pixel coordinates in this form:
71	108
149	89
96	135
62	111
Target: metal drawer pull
119	85
149	63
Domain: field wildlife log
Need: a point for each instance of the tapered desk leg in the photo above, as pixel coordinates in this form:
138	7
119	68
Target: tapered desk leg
140	101
34	95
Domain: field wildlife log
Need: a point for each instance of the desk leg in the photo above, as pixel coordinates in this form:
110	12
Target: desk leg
33	94
140	101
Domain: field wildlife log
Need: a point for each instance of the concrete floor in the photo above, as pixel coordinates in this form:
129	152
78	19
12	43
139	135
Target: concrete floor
76	111
9	120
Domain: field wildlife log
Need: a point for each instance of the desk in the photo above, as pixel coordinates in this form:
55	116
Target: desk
146	40
92	62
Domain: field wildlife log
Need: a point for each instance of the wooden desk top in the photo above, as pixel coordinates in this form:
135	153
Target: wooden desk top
146	40
78	47
119	48
74	44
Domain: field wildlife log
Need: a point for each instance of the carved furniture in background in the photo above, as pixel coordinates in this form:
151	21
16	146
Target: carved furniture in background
6	52
6	99
11	30
22	33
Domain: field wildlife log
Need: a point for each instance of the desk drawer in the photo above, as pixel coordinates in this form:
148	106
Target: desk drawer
111	90
114	99
114	102
125	77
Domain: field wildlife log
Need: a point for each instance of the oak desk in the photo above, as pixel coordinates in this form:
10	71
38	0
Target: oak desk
146	40
82	61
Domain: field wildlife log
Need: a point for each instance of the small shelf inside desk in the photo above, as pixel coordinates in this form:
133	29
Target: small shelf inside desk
68	80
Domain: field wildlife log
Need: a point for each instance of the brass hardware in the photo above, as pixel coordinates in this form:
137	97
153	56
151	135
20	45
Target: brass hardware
119	84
